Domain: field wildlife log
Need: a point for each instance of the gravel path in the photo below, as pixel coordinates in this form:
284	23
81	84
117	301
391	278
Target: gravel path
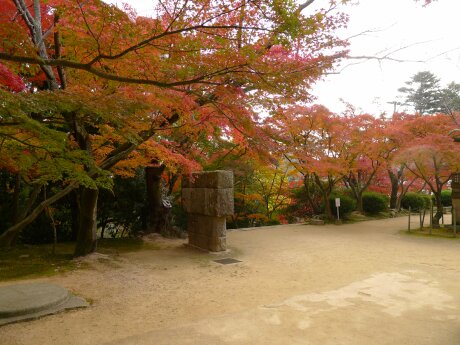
356	284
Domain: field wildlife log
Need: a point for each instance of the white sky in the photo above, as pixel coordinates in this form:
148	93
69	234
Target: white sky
431	34
371	84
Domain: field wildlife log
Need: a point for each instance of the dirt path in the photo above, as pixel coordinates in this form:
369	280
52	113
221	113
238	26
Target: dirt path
359	284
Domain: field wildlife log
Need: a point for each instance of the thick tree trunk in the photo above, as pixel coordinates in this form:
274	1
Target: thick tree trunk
326	189
327	206
394	190
87	237
398	202
315	207
438	214
155	205
359	202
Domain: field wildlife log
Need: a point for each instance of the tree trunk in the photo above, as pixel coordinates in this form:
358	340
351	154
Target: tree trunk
315	207
327	206
87	237
154	201
398	202
394	190
438	214
359	202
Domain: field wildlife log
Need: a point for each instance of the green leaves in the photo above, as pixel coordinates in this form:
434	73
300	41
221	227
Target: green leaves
37	139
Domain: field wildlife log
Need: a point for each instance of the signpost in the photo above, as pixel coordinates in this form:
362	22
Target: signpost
337	205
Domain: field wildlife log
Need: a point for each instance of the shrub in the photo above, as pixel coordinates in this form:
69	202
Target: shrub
273	222
374	202
413	200
300	206
347	204
124	209
427	199
446	197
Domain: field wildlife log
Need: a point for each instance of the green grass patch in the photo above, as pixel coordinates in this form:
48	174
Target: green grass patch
26	261
436	233
356	217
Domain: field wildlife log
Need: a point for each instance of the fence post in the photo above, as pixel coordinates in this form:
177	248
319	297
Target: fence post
442	216
408	223
454	220
431	216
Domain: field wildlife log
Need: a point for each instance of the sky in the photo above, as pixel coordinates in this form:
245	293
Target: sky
430	34
424	38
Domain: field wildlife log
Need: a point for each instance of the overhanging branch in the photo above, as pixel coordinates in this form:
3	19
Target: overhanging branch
90	69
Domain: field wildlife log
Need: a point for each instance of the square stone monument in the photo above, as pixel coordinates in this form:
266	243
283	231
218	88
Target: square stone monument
207	197
456	195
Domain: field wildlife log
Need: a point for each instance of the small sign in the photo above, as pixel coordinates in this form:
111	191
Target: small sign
337	202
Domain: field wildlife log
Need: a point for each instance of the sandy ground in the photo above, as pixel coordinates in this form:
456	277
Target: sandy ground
358	284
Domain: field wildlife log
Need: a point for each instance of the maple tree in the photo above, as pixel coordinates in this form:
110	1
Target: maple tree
313	144
395	177
195	62
365	154
328	149
430	154
271	184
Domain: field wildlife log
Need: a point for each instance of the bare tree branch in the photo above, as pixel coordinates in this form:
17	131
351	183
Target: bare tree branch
305	5
202	79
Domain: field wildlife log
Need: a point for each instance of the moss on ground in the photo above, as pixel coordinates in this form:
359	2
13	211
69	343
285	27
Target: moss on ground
33	261
445	233
27	261
356	217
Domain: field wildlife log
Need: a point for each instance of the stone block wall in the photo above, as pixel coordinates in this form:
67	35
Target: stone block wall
208	198
456	195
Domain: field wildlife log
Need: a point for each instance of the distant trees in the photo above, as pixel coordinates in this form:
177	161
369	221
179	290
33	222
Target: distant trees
357	153
429	153
450	98
424	92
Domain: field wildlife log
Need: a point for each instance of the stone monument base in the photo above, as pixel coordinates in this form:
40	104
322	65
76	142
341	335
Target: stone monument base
208	198
207	232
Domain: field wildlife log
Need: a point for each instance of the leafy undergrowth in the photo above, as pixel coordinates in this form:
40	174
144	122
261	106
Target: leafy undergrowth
32	261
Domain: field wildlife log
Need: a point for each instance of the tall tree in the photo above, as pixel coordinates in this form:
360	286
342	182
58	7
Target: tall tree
430	154
450	98
195	61
423	92
313	143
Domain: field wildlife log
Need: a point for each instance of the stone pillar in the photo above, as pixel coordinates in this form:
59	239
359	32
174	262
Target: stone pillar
208	200
456	195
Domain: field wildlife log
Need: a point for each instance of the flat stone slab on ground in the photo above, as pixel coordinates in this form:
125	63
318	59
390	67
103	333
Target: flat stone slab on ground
20	302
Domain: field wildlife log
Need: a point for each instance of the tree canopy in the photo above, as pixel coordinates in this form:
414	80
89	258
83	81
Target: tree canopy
106	91
426	95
